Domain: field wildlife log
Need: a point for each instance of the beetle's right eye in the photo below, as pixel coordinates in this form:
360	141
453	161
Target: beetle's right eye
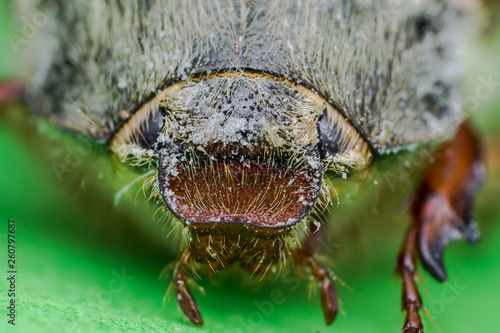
342	147
328	137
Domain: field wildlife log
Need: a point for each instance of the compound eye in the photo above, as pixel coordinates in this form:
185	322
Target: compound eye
328	137
150	130
137	138
342	147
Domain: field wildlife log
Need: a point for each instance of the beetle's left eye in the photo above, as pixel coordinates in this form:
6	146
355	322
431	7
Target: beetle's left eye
139	134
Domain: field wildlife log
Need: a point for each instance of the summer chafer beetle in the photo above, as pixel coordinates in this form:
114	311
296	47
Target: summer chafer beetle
246	114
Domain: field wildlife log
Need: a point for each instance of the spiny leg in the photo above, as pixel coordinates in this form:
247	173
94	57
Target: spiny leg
305	256
442	212
183	295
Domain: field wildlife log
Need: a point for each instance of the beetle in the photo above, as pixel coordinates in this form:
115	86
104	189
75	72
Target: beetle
247	115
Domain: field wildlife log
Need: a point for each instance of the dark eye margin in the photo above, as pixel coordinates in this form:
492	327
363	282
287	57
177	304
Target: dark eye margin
141	131
329	145
342	147
150	130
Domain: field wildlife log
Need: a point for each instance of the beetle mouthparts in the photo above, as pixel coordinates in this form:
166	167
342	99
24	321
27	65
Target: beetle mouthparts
241	189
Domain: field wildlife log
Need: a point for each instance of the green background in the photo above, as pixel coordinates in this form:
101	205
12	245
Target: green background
72	242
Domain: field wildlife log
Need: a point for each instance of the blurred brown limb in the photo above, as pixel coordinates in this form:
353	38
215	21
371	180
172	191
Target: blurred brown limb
11	90
442	213
492	8
305	256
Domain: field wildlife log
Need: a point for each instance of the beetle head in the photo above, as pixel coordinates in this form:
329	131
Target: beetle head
241	149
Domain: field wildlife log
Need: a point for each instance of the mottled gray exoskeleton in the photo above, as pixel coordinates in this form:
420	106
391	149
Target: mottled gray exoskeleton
243	112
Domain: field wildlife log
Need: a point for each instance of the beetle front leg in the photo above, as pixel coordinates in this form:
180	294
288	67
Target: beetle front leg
183	295
305	256
442	213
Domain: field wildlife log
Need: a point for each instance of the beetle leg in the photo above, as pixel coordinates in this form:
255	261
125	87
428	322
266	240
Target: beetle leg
183	295
442	212
443	206
10	91
411	300
305	256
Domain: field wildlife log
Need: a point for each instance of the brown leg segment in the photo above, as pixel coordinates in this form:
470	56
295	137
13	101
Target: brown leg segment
411	301
11	91
442	212
305	256
183	295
